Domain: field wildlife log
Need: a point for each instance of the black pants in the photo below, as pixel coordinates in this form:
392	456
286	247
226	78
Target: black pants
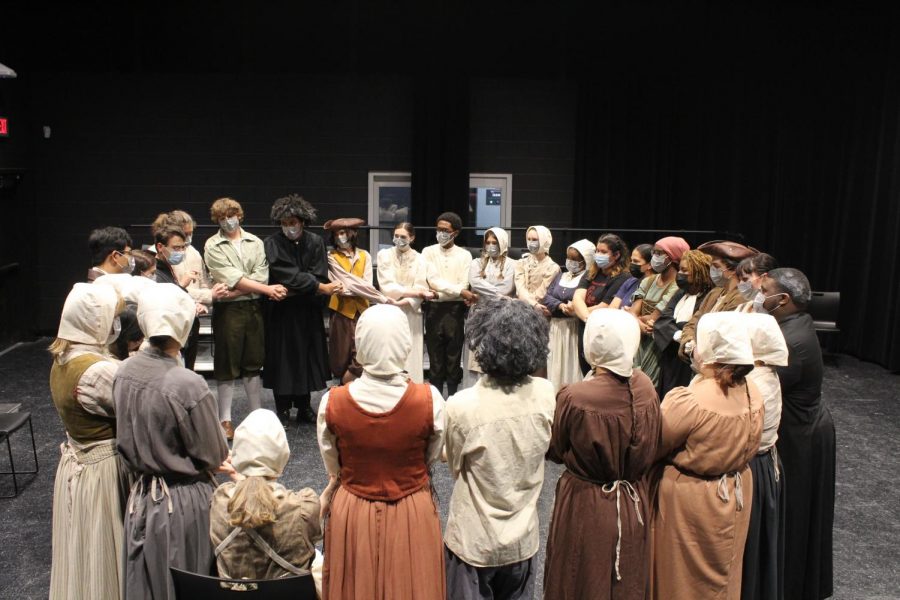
189	352
284	402
509	582
444	338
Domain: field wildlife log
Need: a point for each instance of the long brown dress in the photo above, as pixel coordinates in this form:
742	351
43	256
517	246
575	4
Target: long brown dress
704	495
605	430
383	534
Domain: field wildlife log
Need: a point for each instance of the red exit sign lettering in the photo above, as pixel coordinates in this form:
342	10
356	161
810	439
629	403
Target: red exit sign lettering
4	127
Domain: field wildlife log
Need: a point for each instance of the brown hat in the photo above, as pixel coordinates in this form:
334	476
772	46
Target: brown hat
343	223
731	250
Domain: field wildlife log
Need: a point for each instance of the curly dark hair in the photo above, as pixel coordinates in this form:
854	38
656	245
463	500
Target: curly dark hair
509	339
293	205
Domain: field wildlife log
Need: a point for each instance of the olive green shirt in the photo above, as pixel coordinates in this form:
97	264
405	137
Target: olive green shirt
228	264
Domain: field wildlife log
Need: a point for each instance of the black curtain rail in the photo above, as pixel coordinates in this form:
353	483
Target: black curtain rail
713	234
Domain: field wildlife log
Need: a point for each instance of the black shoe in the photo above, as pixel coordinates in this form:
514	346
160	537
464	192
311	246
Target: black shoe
305	414
284	416
451	388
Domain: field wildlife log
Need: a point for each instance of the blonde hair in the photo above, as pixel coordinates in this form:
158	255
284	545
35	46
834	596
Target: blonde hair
253	504
221	208
175	218
59	347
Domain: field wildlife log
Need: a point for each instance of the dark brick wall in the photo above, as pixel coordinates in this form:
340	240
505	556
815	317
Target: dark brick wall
126	147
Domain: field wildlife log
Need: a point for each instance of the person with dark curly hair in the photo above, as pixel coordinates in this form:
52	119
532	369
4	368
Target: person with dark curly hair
704	490
296	360
497	433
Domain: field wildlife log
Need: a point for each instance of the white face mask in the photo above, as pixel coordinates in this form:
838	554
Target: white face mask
230	224
534	246
116	330
188	239
292	233
492	250
659	262
444	237
343	241
401	244
746	290
128	269
574	266
715	273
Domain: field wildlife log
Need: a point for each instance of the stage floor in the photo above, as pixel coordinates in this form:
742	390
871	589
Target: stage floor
864	399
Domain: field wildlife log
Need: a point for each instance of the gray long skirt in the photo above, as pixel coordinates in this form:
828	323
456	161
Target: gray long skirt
165	525
88	502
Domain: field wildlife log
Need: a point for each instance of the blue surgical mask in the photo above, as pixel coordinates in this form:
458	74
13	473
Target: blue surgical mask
574	266
601	260
175	257
230	224
746	290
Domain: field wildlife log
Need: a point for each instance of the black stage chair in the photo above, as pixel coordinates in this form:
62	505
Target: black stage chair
9	423
823	307
194	585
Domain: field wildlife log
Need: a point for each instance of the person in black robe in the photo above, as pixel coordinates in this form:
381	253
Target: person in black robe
693	284
806	440
296	352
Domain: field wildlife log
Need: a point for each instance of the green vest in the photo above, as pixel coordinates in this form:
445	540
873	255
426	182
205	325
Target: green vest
82	426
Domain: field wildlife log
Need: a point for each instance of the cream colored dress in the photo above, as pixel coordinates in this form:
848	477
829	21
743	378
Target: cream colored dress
400	272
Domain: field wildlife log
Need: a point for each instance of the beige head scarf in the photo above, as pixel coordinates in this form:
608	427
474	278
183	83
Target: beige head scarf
502	238
383	341
128	286
544	237
724	337
767	340
260	446
88	314
166	309
585	248
611	339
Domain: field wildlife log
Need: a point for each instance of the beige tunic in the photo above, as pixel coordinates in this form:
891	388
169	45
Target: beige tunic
400	272
704	492
293	535
533	277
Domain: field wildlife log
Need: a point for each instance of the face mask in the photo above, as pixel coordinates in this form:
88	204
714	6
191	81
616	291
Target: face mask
659	263
681	280
291	233
175	258
188	239
635	271
534	246
746	290
129	264
230	224
492	250
574	266
715	274
343	241
601	260
444	237
116	330
759	302
401	244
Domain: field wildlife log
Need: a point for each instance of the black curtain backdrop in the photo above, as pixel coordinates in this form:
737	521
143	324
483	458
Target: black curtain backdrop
791	139
440	162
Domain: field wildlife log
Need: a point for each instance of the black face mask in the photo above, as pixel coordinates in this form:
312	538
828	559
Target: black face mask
682	282
636	271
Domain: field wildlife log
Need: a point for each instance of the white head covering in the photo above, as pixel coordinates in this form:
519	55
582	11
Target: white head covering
260	446
724	337
166	309
585	248
544	236
128	286
88	314
611	339
383	341
502	238
767	340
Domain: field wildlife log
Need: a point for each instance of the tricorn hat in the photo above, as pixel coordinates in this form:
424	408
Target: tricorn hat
725	249
343	223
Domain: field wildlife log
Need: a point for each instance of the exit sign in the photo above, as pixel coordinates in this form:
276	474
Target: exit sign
4	127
